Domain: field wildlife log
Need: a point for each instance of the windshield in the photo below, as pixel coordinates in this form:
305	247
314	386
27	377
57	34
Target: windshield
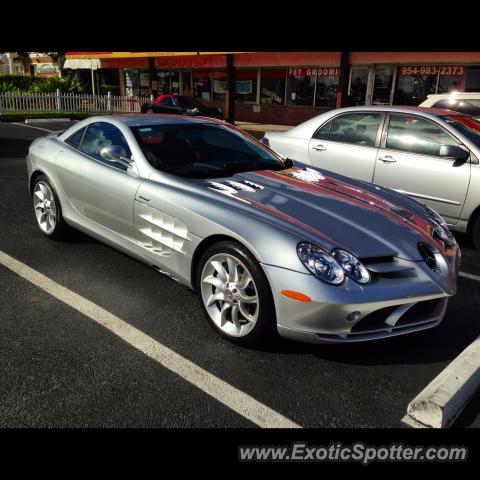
181	100
469	126
204	150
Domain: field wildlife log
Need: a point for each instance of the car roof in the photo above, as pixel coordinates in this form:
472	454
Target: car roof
402	109
166	95
138	120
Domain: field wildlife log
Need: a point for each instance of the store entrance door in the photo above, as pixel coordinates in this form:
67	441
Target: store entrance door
359	83
382	85
372	85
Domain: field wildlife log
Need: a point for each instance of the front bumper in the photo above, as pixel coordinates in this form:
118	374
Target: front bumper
388	306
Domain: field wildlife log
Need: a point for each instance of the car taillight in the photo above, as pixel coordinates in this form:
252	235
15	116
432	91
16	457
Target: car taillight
265	141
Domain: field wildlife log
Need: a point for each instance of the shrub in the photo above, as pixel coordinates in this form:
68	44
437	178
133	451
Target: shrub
32	84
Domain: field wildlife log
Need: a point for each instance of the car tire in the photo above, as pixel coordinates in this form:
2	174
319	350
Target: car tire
233	313
47	209
475	233
150	110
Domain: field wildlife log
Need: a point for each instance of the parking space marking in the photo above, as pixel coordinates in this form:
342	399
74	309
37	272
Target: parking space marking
235	399
31	126
470	276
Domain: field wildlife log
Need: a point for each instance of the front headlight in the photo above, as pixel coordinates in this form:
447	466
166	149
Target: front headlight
321	264
351	265
440	227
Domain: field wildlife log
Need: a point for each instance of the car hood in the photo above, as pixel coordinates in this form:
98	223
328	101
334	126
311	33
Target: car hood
335	211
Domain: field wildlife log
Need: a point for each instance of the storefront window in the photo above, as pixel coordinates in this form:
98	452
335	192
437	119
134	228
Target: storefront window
131	82
168	81
358	86
272	86
327	85
472	81
382	86
451	78
246	86
219	84
301	86
163	82
415	83
175	81
202	84
144	88
186	83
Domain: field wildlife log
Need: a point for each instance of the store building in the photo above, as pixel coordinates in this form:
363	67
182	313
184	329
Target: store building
291	87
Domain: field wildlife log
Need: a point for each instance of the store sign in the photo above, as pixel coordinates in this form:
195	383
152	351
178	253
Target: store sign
307	72
431	70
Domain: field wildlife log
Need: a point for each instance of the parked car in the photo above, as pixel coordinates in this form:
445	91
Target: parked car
431	155
267	243
463	102
181	105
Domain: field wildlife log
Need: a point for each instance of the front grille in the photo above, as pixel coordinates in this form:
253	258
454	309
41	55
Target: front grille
374	320
418	313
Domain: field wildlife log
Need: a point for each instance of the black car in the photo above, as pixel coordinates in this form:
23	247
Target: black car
181	105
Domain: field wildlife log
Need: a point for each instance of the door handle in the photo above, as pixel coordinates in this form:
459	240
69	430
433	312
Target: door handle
319	147
387	159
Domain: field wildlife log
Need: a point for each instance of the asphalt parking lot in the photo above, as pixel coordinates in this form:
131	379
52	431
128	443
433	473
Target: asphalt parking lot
61	369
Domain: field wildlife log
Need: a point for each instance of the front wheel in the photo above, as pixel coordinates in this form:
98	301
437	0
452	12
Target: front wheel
47	209
235	294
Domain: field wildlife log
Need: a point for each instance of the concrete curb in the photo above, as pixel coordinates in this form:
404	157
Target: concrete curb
440	402
40	120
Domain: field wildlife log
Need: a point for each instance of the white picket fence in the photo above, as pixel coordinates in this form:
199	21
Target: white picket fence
69	102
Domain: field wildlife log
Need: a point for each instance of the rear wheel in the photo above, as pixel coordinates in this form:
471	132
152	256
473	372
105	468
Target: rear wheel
476	233
47	209
235	294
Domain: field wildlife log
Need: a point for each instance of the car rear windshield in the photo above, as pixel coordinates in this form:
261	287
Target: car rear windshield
204	150
469	126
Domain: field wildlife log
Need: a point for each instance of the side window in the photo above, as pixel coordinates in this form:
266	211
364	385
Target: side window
355	128
75	139
416	135
166	101
102	134
323	132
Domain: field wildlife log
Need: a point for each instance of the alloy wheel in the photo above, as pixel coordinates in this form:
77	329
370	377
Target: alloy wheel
45	207
230	295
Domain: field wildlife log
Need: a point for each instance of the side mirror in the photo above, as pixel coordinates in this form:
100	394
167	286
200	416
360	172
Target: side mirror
115	154
455	152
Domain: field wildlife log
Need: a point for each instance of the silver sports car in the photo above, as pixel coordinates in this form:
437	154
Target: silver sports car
270	245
